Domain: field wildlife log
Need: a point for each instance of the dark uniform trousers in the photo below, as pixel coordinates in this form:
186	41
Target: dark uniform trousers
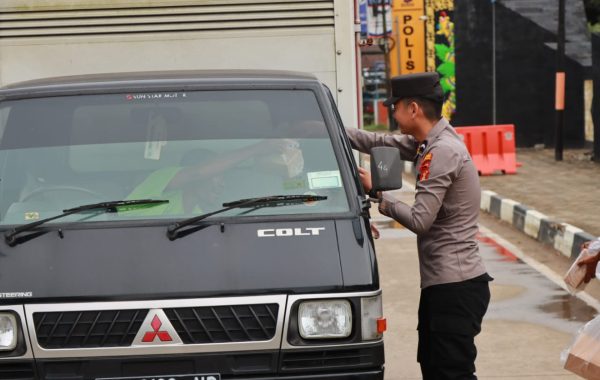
450	317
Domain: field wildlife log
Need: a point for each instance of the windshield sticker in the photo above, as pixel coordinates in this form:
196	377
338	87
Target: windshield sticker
32	215
294	183
156	96
324	180
17	295
157	136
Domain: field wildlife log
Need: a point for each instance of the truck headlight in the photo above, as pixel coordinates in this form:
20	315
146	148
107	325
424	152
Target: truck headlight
325	319
8	332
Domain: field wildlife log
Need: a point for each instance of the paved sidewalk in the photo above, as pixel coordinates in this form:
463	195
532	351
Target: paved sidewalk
568	191
566	194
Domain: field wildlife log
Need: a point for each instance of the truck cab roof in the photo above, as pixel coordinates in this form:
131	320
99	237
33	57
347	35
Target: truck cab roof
147	80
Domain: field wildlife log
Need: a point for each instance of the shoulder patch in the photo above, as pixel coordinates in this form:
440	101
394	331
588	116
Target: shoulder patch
424	168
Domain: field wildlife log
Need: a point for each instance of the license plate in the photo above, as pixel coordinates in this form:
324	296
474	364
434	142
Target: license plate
210	376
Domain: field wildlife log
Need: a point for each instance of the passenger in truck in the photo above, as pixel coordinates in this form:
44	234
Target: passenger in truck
197	184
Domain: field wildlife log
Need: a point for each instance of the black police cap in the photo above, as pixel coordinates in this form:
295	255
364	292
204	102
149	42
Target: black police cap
424	85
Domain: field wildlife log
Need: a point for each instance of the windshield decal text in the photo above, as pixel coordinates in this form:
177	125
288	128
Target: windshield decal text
16	295
155	96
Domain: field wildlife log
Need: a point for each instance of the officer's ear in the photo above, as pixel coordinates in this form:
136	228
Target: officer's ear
413	108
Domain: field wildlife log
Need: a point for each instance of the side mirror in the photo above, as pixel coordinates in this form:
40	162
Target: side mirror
386	168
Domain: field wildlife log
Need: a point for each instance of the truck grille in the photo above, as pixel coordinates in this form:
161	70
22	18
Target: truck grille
323	359
330	359
224	324
118	328
87	329
17	371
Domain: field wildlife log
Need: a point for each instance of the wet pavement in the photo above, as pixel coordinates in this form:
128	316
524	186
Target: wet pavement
530	320
520	293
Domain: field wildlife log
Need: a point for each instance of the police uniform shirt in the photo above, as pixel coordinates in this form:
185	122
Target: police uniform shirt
446	208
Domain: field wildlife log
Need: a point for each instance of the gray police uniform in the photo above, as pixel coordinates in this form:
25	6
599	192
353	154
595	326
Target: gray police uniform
455	293
446	208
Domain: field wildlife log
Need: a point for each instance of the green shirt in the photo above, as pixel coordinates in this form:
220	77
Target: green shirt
154	187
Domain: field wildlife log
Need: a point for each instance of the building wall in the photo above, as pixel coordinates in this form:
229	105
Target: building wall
525	72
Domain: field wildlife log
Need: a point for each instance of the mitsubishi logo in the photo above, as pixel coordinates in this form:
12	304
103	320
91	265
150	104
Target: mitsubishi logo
156	330
151	335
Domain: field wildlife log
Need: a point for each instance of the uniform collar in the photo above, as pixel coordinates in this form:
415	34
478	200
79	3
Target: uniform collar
437	129
431	137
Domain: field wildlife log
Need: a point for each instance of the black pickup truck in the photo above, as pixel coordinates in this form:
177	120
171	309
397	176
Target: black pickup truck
183	225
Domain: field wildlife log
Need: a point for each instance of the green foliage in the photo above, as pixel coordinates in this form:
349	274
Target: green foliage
594	28
442	51
447	84
446	69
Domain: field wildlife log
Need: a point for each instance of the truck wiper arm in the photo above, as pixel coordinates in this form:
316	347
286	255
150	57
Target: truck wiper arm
175	230
12	238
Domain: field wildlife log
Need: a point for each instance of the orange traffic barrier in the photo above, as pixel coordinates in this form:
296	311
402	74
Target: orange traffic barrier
382	113
492	148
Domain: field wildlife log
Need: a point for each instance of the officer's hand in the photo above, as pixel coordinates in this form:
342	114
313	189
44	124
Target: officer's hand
590	263
365	179
375	232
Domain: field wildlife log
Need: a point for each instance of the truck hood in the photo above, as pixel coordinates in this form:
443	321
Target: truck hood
141	263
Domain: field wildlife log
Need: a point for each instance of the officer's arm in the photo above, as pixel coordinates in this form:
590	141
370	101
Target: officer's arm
443	168
363	141
220	163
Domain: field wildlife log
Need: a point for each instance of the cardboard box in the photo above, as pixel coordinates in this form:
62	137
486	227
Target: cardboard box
584	357
575	275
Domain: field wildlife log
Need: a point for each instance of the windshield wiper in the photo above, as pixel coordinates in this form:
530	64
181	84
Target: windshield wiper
175	230
13	239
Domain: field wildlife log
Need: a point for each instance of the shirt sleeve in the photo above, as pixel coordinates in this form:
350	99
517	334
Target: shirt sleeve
363	141
155	184
442	169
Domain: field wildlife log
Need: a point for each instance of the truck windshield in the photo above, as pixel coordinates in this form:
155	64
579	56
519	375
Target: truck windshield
196	149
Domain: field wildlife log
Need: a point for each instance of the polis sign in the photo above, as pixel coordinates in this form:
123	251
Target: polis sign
409	55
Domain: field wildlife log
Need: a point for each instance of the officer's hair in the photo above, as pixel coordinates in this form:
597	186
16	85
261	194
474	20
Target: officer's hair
431	109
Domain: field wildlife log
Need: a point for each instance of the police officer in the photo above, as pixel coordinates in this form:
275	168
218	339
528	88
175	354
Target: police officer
454	282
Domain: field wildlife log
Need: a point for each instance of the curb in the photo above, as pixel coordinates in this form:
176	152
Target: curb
563	237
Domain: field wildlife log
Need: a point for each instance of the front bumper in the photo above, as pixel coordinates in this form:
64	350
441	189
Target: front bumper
364	362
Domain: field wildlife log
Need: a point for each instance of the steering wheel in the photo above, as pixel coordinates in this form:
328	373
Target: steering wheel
58	188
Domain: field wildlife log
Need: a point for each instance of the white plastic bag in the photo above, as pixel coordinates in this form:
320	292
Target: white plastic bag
594	248
576	274
583	357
